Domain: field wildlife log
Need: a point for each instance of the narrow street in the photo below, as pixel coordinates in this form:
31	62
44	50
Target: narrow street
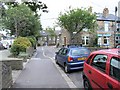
42	72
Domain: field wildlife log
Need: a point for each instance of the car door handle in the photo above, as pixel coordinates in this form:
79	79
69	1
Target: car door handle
89	72
110	85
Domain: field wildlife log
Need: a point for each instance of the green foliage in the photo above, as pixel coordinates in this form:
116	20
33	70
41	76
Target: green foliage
51	32
22	21
32	40
75	20
34	5
20	45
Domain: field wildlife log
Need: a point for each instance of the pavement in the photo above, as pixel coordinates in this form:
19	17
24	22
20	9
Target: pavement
56	76
4	54
15	73
52	77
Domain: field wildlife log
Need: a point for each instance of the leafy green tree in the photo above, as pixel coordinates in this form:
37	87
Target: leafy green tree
75	20
51	32
21	21
34	5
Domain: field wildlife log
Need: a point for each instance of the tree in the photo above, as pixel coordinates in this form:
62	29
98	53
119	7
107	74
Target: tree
21	21
75	20
51	32
34	5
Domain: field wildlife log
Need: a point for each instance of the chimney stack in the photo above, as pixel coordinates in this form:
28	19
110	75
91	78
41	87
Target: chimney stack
105	12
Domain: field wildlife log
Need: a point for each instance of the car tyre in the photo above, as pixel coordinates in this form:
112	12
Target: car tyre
56	61
66	69
87	85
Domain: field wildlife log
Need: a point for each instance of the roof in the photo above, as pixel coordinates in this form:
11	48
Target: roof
110	17
115	51
44	33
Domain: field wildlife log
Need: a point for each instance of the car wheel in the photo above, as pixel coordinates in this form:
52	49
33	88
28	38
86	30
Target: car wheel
87	85
56	61
66	69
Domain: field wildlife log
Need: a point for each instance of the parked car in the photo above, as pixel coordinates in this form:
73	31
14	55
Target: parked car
102	70
5	44
1	46
71	57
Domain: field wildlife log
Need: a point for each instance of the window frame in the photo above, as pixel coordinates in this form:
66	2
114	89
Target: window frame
96	66
89	59
112	66
60	51
64	50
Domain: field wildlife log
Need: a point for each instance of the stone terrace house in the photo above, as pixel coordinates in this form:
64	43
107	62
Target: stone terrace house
46	38
84	37
106	28
105	32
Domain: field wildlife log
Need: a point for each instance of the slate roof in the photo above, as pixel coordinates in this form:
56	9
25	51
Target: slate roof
44	33
110	17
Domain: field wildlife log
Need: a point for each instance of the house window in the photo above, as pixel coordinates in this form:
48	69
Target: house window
105	40
116	41
118	29
106	26
85	40
116	37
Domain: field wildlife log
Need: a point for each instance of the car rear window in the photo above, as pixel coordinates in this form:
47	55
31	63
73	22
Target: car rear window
77	52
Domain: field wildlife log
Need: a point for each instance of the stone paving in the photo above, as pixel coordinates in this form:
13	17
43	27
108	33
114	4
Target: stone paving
15	73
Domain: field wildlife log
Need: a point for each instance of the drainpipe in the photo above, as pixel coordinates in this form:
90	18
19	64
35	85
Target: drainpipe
115	25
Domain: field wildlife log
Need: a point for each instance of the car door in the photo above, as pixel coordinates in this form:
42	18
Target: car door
64	56
113	81
59	56
97	71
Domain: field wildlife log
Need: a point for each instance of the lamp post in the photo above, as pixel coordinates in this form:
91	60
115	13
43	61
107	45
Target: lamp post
115	24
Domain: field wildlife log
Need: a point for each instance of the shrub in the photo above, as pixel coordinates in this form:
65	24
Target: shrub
20	45
33	41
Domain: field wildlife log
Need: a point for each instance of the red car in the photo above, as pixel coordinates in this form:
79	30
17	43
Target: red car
102	70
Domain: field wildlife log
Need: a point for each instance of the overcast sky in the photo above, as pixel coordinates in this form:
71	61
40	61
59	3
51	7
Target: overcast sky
57	6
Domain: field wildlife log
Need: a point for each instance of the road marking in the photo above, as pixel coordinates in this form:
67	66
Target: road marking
67	79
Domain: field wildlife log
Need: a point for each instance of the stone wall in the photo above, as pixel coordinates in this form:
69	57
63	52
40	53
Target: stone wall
5	75
15	63
95	48
119	9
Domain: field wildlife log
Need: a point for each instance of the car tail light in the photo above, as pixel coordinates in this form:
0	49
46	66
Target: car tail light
70	59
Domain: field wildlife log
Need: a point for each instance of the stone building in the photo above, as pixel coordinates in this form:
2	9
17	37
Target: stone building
106	28
105	32
119	9
118	25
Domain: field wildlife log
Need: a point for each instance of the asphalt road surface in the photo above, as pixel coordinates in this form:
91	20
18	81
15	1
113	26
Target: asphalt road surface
42	72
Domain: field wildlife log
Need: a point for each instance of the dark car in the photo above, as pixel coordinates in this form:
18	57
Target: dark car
102	70
72	57
1	46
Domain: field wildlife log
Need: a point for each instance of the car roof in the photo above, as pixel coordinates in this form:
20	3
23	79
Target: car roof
114	51
74	47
